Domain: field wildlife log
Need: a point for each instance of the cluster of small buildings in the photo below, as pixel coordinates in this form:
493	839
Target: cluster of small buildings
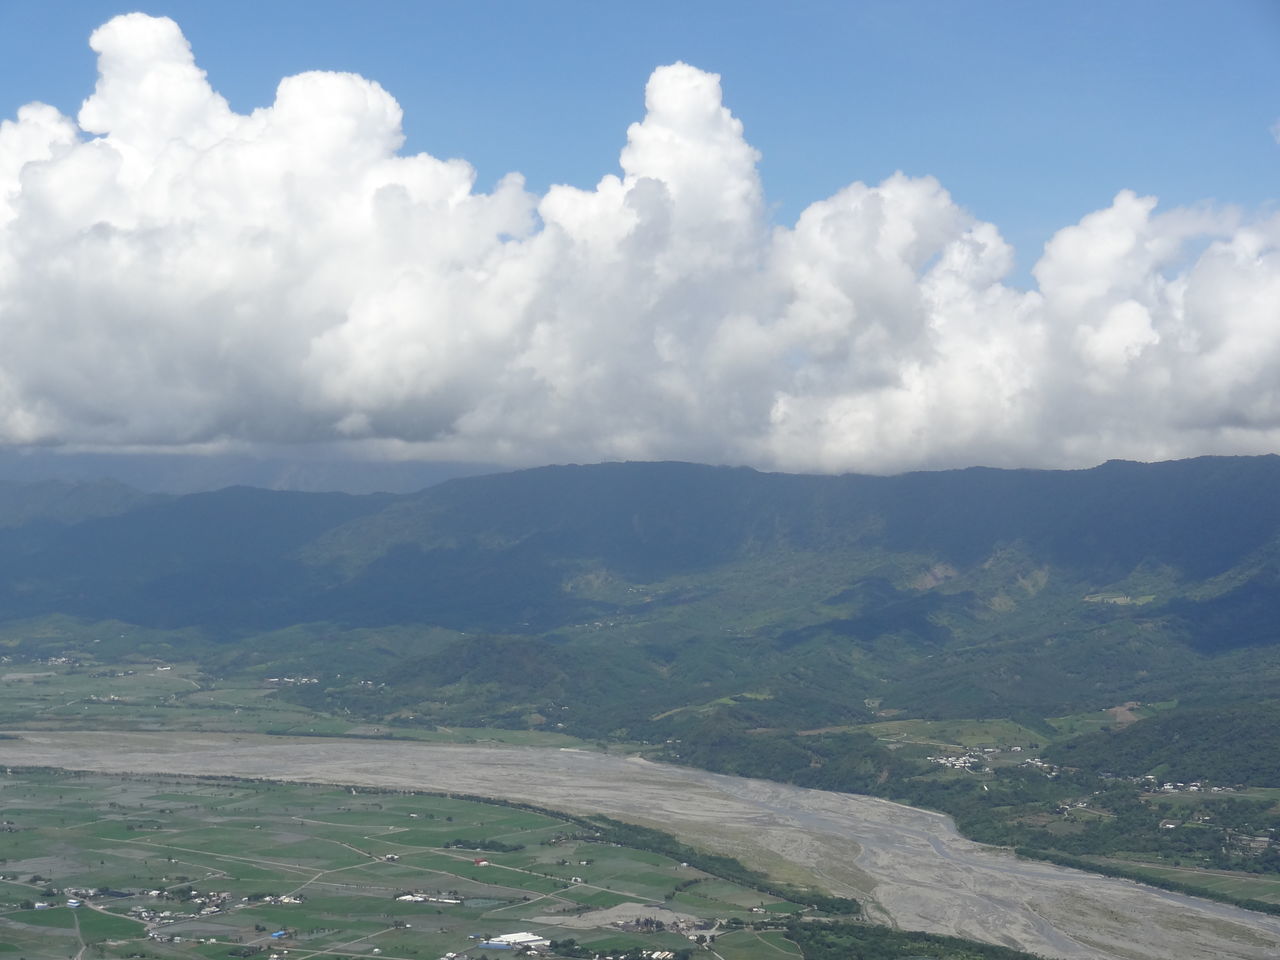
973	759
1048	769
55	661
965	762
686	926
291	680
84	893
208	903
156	917
1195	786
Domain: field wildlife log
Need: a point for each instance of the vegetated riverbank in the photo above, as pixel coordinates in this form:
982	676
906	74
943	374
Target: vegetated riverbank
1103	823
910	866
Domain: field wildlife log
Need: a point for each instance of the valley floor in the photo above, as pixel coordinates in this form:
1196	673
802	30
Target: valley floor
910	865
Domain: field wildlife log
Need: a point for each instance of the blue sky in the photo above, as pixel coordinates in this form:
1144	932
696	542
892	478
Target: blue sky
1031	114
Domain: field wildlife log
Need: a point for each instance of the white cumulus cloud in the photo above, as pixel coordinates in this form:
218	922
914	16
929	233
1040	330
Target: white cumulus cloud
174	275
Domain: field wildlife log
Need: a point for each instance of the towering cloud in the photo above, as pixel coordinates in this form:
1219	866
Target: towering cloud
173	274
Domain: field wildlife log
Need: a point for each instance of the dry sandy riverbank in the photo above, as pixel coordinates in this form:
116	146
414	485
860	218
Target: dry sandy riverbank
919	873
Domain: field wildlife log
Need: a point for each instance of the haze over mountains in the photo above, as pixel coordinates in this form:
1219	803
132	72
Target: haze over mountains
1180	523
304	329
179	473
1092	633
666	583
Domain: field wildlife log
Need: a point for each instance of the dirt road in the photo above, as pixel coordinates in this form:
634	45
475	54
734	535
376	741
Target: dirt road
911	866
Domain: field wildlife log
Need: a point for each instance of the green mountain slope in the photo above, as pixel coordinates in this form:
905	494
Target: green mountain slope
66	502
670	591
849	633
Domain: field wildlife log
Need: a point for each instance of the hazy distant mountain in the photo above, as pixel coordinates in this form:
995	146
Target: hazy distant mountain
65	502
642	587
496	551
191	473
829	631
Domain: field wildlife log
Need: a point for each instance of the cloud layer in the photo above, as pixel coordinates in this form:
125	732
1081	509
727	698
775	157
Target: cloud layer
176	275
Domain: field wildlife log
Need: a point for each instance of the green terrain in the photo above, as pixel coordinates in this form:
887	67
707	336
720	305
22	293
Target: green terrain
1079	664
204	869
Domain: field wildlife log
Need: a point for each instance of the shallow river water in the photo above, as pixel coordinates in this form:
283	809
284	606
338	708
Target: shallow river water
909	866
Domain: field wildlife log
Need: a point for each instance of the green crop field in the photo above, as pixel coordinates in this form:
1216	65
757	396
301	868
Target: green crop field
149	694
753	945
1239	885
177	869
958	733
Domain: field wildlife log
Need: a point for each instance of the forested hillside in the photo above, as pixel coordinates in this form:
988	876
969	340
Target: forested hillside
838	632
646	587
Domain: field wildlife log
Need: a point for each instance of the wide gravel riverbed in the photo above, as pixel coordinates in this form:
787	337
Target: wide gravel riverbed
910	866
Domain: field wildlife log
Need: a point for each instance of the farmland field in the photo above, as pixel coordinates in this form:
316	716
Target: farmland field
149	694
171	867
908	866
954	733
1234	884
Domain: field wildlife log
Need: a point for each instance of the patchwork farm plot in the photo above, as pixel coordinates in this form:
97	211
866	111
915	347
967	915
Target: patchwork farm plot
169	868
74	689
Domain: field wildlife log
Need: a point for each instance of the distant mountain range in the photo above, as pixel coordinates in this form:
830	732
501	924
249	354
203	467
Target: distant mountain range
661	586
180	473
1117	623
